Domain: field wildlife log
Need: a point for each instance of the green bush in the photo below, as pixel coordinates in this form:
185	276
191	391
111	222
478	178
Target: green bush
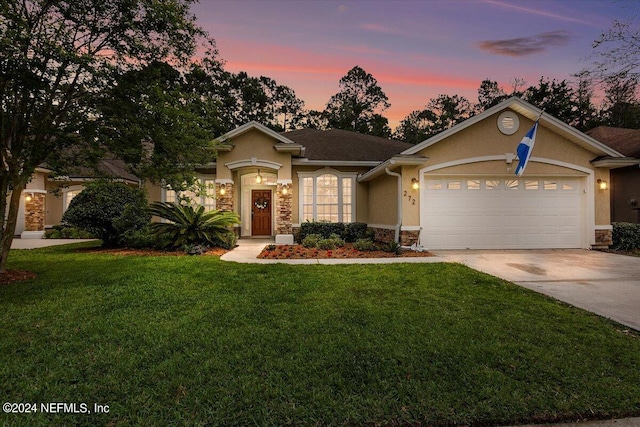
394	248
349	232
193	226
326	244
626	236
311	240
337	240
62	232
108	210
354	231
364	245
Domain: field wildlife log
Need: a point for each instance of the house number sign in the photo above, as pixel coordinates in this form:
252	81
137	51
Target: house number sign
410	197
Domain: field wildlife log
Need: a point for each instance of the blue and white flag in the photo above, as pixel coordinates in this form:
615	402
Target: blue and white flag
525	147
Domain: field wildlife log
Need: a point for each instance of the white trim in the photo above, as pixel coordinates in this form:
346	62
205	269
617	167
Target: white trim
284	239
65	195
499	157
257	126
223	181
28	190
32	235
411	228
383	226
284	181
529	111
363	163
317	173
254	161
603	227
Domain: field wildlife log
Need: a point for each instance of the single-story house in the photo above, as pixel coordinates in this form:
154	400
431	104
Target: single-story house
625	181
455	190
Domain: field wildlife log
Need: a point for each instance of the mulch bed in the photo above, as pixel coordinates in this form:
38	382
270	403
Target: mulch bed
347	251
12	276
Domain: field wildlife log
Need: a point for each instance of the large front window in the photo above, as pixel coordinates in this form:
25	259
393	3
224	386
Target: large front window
327	196
203	194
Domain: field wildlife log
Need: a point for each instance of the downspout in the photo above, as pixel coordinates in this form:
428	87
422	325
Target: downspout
399	202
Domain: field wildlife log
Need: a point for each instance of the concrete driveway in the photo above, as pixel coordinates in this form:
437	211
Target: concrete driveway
603	283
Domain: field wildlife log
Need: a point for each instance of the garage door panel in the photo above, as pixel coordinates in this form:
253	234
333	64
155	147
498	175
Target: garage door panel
502	214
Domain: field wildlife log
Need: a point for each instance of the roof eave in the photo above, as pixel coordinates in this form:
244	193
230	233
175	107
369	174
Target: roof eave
615	162
400	160
251	126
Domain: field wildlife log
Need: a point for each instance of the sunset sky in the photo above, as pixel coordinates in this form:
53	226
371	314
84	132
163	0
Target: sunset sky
415	49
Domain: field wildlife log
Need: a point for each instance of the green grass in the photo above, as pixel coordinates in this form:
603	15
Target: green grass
196	341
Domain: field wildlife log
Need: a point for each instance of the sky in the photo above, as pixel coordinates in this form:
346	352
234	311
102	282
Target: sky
416	50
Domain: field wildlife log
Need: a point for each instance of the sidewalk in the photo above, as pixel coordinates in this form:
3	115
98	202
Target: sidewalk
43	243
248	249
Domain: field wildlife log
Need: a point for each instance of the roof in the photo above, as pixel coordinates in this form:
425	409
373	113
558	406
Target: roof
532	113
343	145
626	141
251	126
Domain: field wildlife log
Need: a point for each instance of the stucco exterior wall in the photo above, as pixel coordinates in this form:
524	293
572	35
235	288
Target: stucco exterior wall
410	197
253	144
382	204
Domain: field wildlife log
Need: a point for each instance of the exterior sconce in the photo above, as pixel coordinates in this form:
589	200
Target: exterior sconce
258	178
415	184
285	191
223	189
602	184
28	197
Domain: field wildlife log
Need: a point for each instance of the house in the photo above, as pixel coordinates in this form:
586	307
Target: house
625	180
455	190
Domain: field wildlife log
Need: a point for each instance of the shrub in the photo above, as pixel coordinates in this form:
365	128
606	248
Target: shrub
62	232
193	226
626	236
394	248
108	210
337	240
311	241
364	245
354	231
325	229
326	244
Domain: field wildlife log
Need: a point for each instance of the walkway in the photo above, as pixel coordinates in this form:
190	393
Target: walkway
43	243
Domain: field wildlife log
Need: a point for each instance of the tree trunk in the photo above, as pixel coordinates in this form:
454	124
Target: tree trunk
6	236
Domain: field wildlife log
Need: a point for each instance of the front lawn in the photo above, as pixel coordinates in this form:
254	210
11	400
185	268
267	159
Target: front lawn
196	341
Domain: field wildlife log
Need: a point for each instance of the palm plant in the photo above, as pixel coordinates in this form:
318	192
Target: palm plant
193	226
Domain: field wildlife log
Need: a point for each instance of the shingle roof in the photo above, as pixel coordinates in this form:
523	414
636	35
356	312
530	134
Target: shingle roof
626	141
337	145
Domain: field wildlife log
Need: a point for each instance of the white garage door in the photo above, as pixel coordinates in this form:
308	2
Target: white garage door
502	213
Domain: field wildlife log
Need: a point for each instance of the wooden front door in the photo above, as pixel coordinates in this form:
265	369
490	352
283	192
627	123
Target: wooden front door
261	212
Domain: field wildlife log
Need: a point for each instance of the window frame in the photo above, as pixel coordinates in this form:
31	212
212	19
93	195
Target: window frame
201	200
340	176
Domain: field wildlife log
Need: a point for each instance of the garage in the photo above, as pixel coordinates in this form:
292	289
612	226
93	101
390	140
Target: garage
502	212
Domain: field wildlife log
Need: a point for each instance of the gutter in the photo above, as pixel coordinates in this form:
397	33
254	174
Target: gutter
399	202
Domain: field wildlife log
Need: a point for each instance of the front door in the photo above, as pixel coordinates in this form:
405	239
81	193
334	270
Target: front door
261	212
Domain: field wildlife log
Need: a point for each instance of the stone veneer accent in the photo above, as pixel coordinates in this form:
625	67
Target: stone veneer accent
409	237
224	201
34	212
604	238
284	206
384	235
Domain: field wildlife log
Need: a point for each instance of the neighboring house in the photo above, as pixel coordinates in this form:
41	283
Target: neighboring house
455	190
46	198
625	180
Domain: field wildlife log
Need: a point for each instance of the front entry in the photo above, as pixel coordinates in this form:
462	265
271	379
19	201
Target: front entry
261	212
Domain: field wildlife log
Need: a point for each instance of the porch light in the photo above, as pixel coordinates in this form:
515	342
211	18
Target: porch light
258	178
602	184
285	191
415	184
223	189
28	197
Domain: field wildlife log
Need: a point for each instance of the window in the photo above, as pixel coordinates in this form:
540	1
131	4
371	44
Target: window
204	195
473	184
492	184
531	185
550	185
68	196
327	196
454	185
512	184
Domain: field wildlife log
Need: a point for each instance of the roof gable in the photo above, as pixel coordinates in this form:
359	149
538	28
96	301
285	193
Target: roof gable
253	125
531	112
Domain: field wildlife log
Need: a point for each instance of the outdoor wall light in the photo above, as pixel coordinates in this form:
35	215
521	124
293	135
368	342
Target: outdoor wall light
223	189
602	184
415	184
28	197
258	178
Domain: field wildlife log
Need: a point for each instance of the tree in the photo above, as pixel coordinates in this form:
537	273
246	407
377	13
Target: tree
440	114
618	50
554	97
57	55
489	94
108	210
358	105
620	104
586	112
